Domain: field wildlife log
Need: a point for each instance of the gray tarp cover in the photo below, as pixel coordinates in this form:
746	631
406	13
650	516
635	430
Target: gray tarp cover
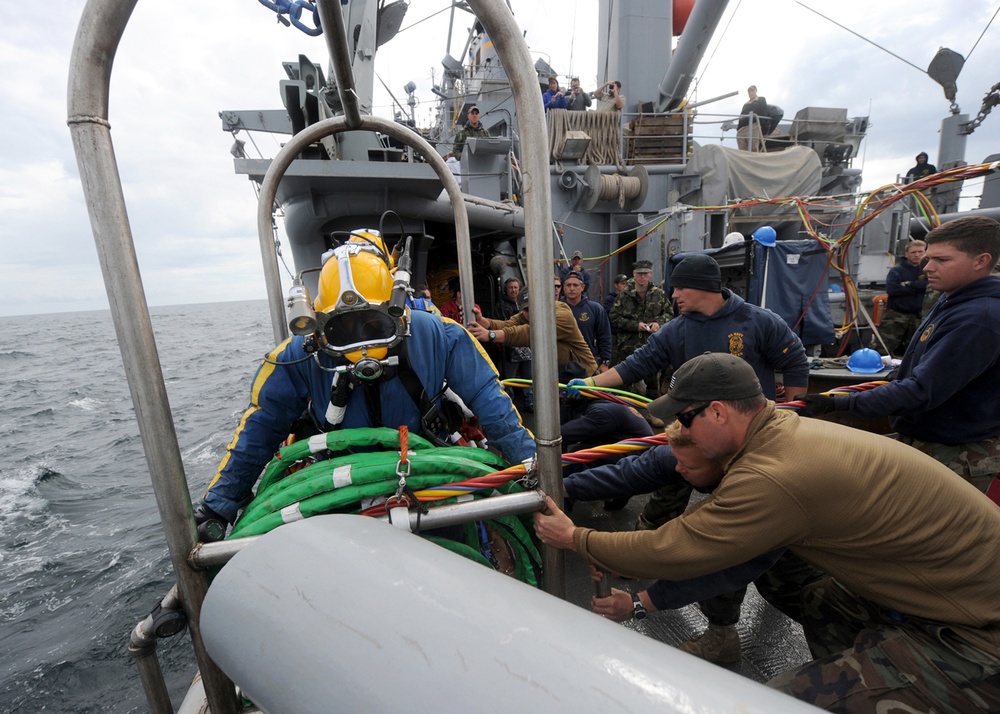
729	174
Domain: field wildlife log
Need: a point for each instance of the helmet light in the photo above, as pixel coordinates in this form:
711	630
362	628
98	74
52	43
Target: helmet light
301	316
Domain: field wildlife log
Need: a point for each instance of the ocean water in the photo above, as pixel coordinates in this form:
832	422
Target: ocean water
82	553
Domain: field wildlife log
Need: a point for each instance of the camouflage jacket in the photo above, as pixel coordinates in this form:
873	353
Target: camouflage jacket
465	133
629	310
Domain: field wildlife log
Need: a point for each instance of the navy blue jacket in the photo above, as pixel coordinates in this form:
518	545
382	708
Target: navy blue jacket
948	386
609	300
673	594
906	298
439	350
630	475
595	328
753	333
600	422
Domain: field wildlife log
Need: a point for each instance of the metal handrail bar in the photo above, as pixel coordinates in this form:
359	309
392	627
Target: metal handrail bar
142	647
513	52
209	555
98	35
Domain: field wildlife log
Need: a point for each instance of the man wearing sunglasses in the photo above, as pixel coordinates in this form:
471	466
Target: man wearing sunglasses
710	318
909	617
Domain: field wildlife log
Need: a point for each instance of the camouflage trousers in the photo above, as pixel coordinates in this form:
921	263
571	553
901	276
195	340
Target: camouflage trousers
897	329
870	659
977	463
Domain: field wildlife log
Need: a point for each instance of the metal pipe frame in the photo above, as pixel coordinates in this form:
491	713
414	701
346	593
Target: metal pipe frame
294	146
142	647
499	23
455	513
98	35
207	555
331	16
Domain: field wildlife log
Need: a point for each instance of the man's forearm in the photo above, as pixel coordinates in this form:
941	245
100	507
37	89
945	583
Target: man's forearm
611	378
794	392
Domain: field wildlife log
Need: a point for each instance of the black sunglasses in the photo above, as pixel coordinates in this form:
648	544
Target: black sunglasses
687	418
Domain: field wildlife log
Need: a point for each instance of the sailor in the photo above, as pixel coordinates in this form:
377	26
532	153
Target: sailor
576	266
921	169
368	362
711	318
516	332
909	617
621	282
516	360
906	286
945	399
755	106
591	319
638	312
472	128
781	585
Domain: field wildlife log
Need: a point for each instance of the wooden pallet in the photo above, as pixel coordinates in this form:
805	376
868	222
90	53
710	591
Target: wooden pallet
656	139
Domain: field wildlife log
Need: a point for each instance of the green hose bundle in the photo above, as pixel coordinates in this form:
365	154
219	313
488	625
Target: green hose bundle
290	491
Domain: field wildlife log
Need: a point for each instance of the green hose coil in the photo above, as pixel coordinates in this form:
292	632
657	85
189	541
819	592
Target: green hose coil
341	483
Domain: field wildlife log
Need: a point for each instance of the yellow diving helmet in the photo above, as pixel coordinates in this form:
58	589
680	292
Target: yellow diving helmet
355	287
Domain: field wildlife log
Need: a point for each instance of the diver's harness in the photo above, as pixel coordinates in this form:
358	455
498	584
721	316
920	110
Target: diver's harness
438	415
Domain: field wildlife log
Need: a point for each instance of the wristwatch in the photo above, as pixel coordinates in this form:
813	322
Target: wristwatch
493	335
638	609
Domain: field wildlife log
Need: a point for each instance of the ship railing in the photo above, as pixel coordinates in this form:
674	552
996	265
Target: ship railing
658	137
670	137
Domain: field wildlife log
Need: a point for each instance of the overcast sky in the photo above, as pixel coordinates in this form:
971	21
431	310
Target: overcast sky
193	219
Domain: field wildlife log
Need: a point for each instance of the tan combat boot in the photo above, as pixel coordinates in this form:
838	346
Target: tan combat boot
719	644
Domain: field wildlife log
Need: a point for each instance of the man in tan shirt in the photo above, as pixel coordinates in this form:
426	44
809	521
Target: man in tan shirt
516	332
909	619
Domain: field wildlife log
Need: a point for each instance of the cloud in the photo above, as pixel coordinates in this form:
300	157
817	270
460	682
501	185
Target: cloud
194	220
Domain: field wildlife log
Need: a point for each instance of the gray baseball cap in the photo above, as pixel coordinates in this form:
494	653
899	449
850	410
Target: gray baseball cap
708	377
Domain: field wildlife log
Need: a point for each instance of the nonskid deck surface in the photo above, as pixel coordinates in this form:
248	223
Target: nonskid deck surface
772	643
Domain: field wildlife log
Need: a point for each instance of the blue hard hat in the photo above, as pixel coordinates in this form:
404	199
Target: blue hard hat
765	235
865	361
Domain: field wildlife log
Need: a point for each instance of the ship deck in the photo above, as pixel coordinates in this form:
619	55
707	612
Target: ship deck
772	643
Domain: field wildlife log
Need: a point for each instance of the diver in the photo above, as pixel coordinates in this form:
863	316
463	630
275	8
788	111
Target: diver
361	359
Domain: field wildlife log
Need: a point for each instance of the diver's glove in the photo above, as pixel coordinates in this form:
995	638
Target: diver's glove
816	405
573	386
211	526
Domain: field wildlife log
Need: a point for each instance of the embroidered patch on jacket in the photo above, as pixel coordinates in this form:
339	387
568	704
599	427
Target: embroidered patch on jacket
736	344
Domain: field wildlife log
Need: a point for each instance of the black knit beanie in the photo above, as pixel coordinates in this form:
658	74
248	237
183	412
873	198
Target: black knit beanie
698	271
